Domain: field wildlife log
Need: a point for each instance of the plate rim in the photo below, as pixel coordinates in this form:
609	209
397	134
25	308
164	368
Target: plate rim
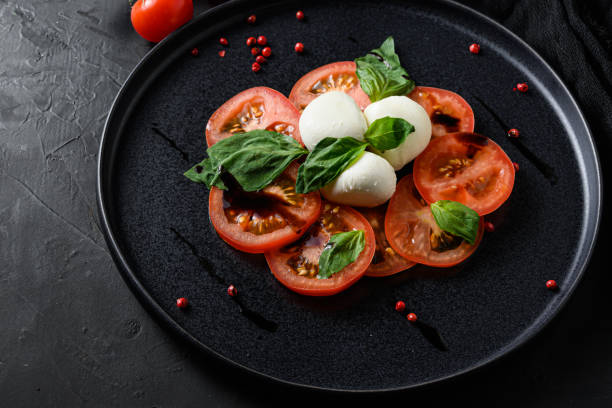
168	323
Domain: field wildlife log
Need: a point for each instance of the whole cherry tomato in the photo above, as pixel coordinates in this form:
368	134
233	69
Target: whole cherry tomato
155	19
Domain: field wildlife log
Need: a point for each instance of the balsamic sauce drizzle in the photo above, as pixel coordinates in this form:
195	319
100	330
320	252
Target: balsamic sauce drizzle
432	335
547	171
253	316
171	142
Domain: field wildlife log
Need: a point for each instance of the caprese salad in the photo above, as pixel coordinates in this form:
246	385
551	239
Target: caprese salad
310	180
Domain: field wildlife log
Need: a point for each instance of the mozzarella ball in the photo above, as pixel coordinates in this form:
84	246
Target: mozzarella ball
407	109
333	114
368	182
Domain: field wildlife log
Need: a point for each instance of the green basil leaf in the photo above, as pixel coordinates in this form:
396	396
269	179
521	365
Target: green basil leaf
457	219
329	158
253	158
388	133
206	172
381	74
341	250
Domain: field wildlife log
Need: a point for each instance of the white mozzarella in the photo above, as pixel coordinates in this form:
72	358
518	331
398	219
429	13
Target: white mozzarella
407	109
368	182
333	114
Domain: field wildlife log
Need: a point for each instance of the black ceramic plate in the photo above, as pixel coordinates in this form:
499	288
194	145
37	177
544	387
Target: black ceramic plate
157	226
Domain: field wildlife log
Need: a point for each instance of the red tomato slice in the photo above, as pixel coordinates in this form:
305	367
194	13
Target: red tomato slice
296	266
414	234
465	167
386	261
337	76
448	111
255	108
265	220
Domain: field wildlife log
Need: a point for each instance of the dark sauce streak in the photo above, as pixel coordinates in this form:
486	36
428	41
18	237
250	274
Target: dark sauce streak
171	142
432	335
255	317
547	171
352	39
448	121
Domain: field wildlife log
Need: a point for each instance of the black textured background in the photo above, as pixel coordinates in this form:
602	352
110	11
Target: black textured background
74	335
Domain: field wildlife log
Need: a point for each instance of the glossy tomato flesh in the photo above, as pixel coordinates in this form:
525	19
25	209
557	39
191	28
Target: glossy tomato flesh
296	266
265	220
465	167
255	108
338	76
448	111
385	261
155	19
414	234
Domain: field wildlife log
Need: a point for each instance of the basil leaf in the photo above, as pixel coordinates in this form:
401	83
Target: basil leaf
381	74
388	133
341	250
457	219
206	172
329	158
253	158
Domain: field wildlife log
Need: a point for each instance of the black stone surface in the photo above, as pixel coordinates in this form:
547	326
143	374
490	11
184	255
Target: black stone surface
73	333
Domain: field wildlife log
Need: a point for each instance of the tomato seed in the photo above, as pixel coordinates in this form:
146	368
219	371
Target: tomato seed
299	15
475	48
514	133
260	59
489	227
255	67
299	47
266	52
516	166
400	306
262	40
254	50
195	52
223	41
222	53
522	87
251	19
251	41
232	291
182	303
551	284
411	317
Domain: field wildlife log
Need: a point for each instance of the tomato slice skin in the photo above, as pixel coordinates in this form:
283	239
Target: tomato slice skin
448	111
386	261
465	167
255	108
310	247
409	225
235	234
338	76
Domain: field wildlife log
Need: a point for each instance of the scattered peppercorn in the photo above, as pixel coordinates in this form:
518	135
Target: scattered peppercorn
514	133
522	87
182	303
195	52
255	67
411	317
262	40
266	52
232	291
260	59
251	19
516	166
400	306
254	50
251	41
299	15
551	284
474	48
222	53
299	47
223	41
489	227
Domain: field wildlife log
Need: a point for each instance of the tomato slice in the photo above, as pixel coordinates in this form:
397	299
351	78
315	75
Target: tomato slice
255	108
265	220
385	261
296	266
414	234
448	111
337	76
465	167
